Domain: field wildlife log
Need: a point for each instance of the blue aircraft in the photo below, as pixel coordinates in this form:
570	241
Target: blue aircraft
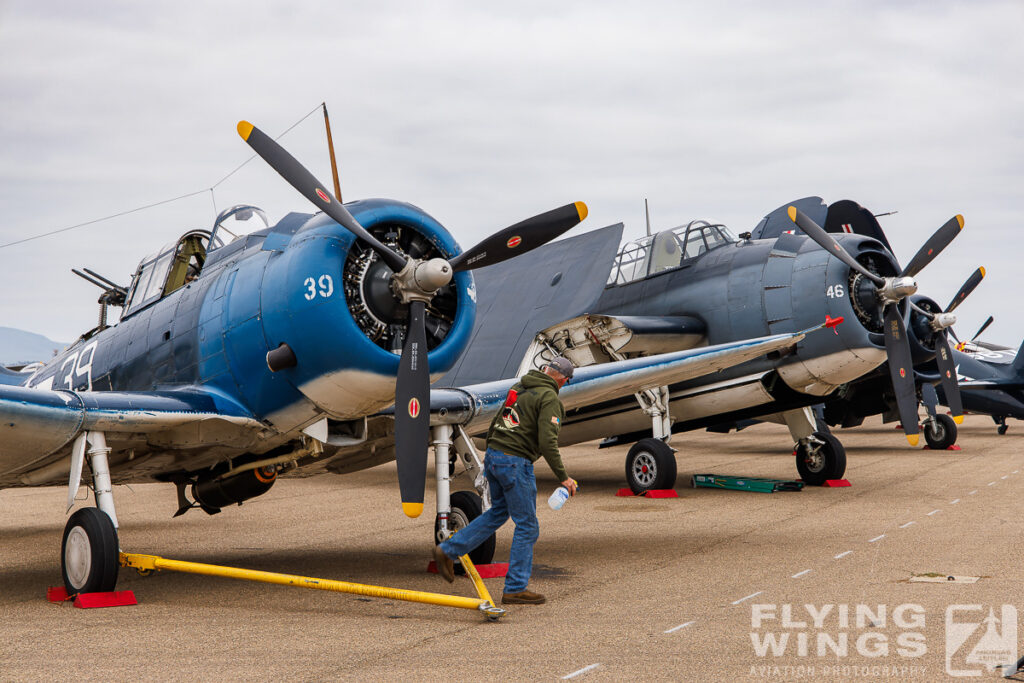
308	347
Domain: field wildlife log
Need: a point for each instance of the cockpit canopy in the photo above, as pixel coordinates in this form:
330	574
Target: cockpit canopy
666	250
169	269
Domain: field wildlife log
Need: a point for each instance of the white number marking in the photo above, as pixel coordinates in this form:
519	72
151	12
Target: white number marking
326	286
835	292
311	284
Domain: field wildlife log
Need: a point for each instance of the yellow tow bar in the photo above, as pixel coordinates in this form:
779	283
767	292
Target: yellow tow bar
148	563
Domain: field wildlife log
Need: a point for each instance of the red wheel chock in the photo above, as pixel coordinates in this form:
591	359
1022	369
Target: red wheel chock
91	600
653	493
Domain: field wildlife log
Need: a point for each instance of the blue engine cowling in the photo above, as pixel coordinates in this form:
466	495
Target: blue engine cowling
328	298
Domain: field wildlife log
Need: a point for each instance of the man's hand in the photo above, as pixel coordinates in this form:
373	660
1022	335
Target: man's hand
570	484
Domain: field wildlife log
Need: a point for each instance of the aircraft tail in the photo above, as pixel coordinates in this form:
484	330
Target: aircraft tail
1018	362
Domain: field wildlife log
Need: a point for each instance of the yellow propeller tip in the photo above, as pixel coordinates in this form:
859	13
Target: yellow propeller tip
581	209
792	213
982	269
245	129
912	439
412	509
959	419
960	220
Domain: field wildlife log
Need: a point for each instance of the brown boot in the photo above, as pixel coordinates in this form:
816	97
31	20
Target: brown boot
523	598
445	566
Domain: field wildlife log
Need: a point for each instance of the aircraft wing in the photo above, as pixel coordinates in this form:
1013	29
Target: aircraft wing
38	426
474	406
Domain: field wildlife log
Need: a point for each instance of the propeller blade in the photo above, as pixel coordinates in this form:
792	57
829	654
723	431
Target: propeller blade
973	281
982	328
412	413
901	369
947	374
829	244
312	189
934	246
521	237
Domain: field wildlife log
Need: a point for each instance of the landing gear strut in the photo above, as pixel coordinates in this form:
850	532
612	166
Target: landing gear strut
456	510
89	548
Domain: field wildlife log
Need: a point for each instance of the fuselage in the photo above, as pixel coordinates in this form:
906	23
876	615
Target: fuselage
742	290
290	284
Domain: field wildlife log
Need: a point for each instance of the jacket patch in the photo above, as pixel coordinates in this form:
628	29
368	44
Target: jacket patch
554	419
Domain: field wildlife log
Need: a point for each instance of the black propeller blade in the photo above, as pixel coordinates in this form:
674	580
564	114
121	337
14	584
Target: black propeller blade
312	189
973	281
947	375
412	413
983	328
414	282
521	237
901	369
934	246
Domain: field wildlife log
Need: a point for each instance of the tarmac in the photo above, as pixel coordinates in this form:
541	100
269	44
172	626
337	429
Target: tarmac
712	585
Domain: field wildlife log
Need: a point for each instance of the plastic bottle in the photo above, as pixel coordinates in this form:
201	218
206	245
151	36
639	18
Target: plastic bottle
558	498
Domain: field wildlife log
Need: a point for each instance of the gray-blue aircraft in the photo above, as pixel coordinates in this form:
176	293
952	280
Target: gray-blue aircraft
699	284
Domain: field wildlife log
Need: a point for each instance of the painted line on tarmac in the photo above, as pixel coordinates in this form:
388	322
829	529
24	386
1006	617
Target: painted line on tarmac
1005	476
842	555
676	628
877	538
972	492
934	511
582	671
991	483
954	501
799	574
904	526
752	595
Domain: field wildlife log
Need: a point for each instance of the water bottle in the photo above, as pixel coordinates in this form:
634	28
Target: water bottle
558	498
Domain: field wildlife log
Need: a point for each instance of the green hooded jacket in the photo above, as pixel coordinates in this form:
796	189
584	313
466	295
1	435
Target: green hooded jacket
528	423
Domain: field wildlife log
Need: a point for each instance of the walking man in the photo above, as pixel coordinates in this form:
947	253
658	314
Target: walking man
525	429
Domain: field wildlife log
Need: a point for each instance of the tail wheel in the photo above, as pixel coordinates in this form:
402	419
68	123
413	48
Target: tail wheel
650	466
820	458
940	433
89	552
467	506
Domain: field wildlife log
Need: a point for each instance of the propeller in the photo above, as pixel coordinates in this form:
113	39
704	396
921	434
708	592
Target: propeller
941	323
414	282
890	291
982	328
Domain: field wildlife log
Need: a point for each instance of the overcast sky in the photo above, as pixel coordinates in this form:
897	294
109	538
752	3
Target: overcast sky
483	115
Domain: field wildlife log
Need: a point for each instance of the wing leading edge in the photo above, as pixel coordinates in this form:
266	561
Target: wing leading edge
474	406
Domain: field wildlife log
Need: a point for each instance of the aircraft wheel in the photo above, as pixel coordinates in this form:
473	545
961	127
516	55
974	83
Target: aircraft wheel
940	433
818	463
1002	428
89	552
650	465
467	506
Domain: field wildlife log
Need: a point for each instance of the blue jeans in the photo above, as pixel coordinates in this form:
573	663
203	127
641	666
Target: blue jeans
513	494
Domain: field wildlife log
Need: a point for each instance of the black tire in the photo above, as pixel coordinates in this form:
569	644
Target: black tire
89	553
467	506
1002	428
650	466
940	433
824	462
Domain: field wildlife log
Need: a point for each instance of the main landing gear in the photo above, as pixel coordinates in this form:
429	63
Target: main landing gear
1001	421
939	432
89	548
650	465
819	455
456	510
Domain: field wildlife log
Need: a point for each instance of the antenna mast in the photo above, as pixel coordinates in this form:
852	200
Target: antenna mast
647	211
330	148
